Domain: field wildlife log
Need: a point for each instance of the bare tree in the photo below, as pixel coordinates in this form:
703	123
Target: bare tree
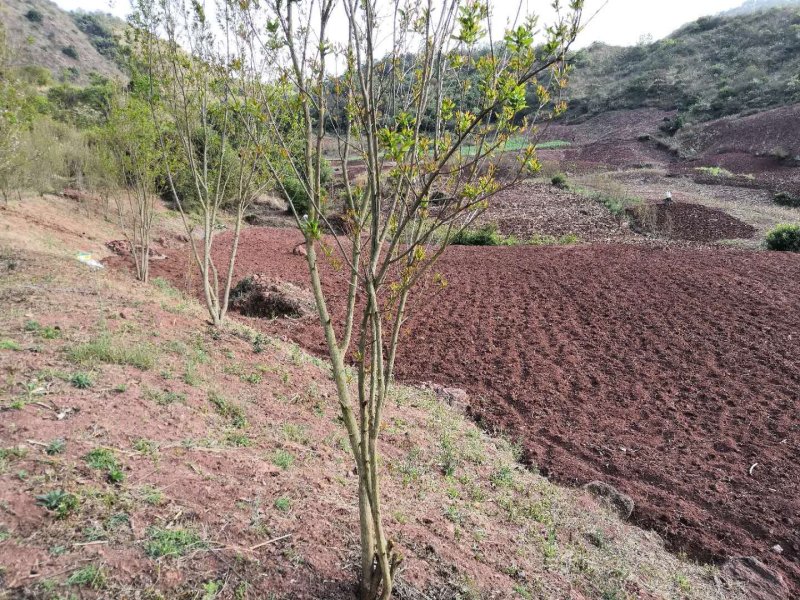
136	161
200	88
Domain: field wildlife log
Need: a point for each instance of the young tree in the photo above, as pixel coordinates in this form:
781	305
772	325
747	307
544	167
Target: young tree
200	89
428	113
9	119
136	161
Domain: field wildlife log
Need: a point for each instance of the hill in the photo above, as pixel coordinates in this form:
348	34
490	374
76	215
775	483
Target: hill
713	67
72	46
752	6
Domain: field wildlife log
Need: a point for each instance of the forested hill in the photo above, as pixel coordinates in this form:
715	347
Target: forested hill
719	65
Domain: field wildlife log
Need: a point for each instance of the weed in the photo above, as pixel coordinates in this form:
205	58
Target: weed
163	542
81	381
228	409
163	397
120	388
684	585
151	495
104	459
714	171
454	515
9	345
146	447
46	332
237	438
283	459
101	459
57	446
89	576
559	180
295	433
502	477
211	589
283	504
58	501
104	349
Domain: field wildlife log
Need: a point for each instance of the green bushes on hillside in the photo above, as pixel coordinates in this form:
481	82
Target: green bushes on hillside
784	238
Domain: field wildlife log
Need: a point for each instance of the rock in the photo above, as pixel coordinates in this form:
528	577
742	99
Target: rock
621	503
300	250
777	549
260	296
758	581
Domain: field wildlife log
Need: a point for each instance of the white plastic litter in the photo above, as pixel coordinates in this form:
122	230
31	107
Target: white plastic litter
87	259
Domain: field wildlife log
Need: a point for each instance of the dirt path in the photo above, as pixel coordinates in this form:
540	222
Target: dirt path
671	373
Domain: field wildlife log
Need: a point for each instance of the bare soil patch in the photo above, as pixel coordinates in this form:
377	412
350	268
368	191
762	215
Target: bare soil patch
667	372
686	221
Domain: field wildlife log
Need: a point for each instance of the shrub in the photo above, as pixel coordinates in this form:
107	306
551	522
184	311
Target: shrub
784	238
786	199
34	16
485	236
295	191
70	51
559	180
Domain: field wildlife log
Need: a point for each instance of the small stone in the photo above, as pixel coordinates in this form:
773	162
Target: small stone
777	549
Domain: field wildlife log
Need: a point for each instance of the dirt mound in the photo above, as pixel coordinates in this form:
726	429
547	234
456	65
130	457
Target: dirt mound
657	371
261	296
123	248
690	222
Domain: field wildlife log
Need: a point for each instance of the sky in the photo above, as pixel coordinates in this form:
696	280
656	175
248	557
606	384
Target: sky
617	22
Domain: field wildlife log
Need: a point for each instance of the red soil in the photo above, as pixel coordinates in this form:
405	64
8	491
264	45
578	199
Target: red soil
672	374
690	222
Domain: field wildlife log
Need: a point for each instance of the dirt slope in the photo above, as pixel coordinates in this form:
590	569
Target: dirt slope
668	372
208	464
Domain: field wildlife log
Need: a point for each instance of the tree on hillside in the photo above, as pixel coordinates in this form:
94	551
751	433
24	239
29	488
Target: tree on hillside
9	119
426	179
213	144
136	161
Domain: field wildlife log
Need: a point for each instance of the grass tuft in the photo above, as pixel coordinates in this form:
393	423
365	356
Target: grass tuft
105	349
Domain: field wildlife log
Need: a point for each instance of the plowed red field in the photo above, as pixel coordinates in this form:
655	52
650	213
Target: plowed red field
673	374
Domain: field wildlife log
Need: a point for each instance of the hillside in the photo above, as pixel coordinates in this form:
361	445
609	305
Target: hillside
714	67
751	6
69	45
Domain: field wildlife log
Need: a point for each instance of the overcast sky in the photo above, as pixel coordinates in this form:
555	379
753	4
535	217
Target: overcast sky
619	22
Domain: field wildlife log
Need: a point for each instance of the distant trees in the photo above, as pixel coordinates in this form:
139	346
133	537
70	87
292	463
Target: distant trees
201	89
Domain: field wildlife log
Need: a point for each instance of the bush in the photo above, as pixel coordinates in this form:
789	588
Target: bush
784	238
786	199
485	236
559	180
70	51
295	191
34	16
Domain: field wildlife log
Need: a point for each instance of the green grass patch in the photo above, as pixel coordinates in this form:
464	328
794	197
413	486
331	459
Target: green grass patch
163	397
59	502
230	410
784	237
81	381
483	236
163	542
8	344
89	576
552	145
283	459
106	349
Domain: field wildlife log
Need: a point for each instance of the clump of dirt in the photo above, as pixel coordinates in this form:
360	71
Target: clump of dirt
123	248
260	296
687	221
